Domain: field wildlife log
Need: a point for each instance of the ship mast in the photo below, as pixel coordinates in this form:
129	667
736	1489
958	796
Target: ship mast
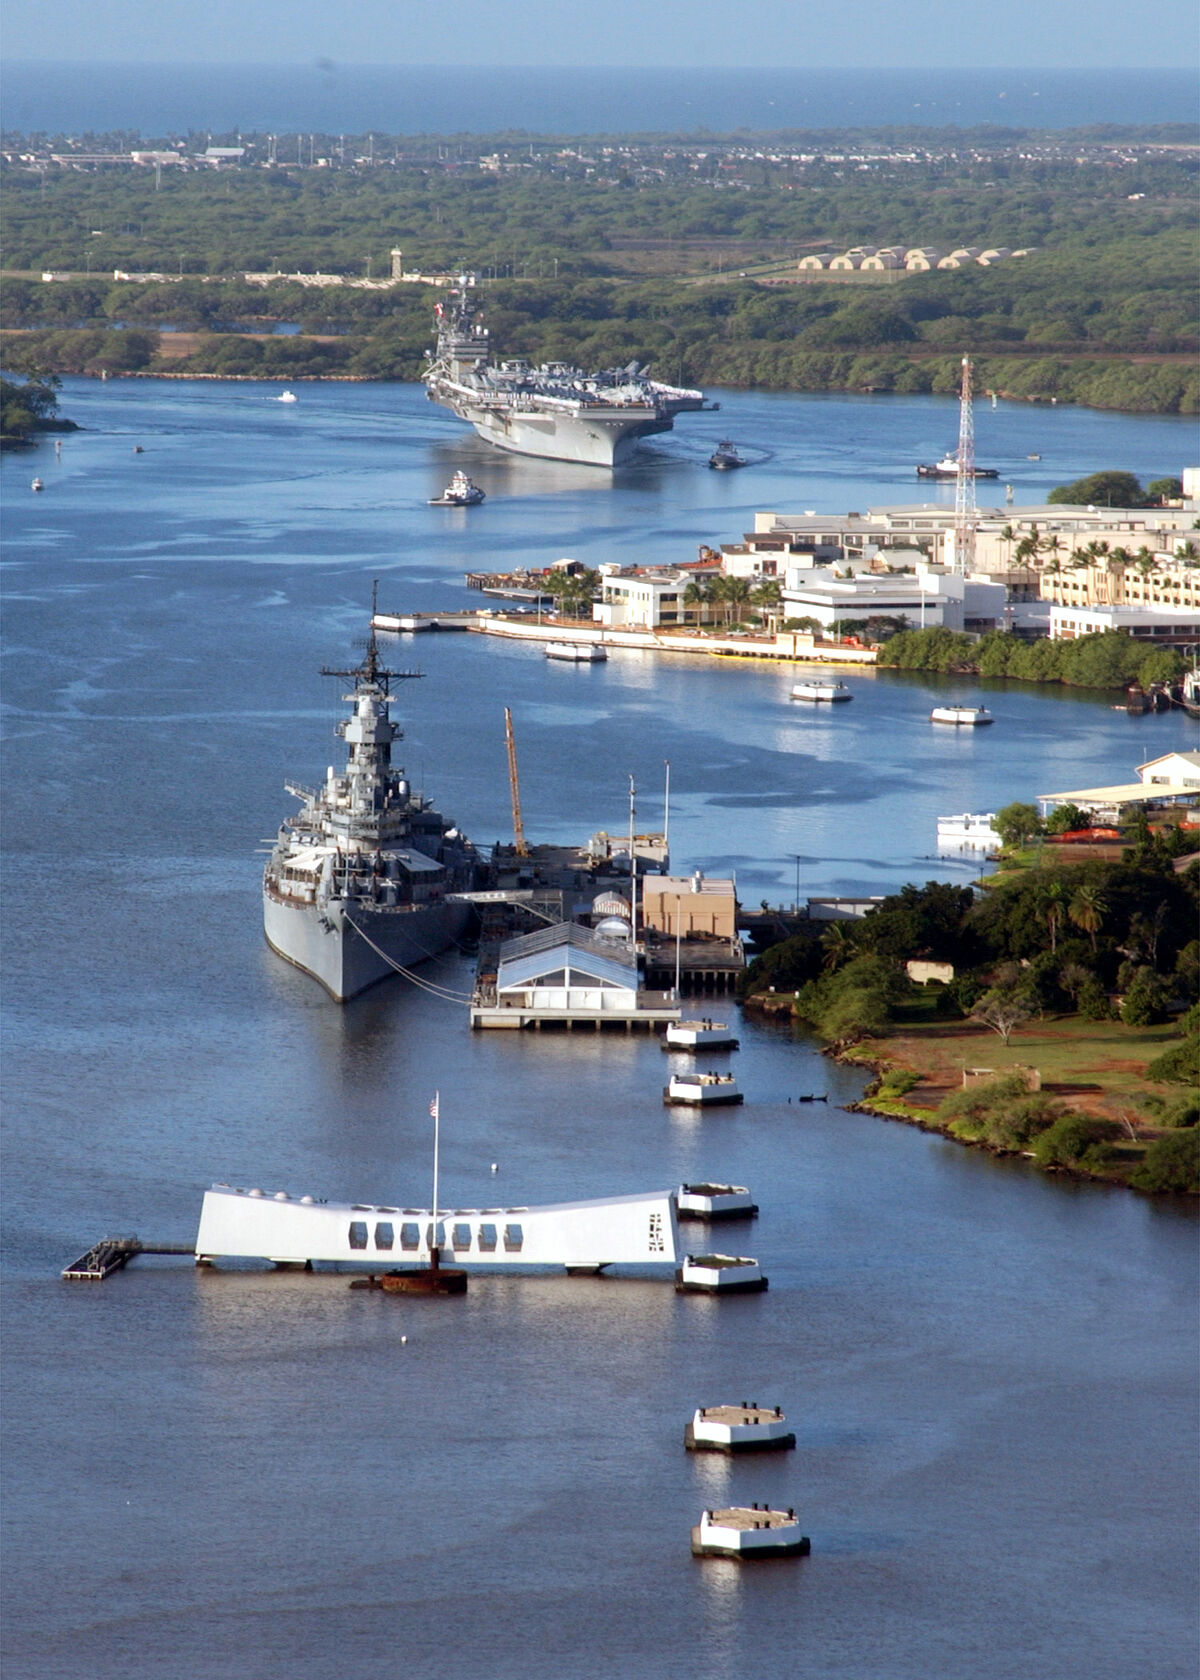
371	674
965	510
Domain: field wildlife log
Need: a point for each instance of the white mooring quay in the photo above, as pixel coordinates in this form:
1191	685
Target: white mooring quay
737	1429
302	1230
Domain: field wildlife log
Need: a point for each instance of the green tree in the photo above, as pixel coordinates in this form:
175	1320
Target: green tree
1172	1163
1017	823
1087	910
1110	488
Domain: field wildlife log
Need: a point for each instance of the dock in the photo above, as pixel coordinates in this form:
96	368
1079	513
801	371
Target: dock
112	1254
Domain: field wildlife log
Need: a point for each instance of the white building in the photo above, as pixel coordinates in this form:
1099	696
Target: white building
1173	769
643	600
1170	626
926	598
567	968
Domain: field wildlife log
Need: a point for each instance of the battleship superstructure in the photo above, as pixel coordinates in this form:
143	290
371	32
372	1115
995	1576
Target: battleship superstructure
554	410
357	886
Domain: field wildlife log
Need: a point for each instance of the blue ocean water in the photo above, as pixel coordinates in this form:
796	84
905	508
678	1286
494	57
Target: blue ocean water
245	1475
162	99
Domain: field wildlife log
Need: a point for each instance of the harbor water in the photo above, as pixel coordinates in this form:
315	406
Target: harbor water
991	1375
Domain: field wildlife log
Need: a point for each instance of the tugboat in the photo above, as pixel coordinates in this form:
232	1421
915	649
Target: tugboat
947	467
725	457
360	884
460	492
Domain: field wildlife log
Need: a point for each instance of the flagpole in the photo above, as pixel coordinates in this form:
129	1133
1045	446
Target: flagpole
433	1243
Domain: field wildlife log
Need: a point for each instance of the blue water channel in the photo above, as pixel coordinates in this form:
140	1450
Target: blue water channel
992	1375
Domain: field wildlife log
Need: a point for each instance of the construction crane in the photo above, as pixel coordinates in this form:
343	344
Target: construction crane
519	846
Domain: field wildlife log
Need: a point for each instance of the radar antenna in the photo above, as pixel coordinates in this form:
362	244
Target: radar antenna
371	674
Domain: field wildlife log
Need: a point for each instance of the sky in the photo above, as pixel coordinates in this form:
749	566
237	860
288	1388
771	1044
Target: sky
818	34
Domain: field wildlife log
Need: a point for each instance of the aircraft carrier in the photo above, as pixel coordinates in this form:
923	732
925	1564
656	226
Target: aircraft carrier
554	410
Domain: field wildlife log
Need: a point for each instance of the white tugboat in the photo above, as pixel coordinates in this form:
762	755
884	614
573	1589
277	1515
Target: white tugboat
969	717
719	1274
359	884
715	1201
737	1429
701	1090
460	492
555	411
749	1532
699	1035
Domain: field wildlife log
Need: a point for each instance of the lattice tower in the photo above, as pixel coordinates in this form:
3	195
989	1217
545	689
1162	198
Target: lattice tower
966	512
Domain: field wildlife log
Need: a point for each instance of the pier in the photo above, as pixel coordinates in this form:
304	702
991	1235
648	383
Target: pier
112	1254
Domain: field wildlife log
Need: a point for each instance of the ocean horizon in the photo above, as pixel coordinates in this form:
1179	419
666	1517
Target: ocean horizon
157	100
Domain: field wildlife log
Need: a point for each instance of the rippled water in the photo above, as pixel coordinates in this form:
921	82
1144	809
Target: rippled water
991	1375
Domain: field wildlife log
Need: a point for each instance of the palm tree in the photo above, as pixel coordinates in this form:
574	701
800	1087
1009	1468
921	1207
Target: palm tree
1087	910
735	593
837	946
1054	897
699	593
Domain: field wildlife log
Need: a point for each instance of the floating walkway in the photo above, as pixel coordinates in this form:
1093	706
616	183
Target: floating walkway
110	1254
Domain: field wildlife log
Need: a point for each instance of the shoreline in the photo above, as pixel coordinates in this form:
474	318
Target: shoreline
874	1056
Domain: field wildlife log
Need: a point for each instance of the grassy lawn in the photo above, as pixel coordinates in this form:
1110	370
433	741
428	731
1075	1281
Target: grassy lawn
1097	1067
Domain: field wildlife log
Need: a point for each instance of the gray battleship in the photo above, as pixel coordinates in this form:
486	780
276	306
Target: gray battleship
359	883
554	410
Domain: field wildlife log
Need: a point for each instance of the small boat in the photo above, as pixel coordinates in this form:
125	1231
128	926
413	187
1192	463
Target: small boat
701	1090
577	653
699	1035
287	396
967	829
821	691
969	715
1033	457
37	485
747	1532
947	467
714	1201
732	1429
138	450
725	457
719	1274
460	492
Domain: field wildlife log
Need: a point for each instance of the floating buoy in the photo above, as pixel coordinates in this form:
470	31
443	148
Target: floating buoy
495	1166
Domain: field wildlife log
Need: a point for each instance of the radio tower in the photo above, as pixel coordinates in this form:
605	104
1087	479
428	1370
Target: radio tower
965	511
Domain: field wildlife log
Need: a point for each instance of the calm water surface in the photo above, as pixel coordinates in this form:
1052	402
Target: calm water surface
232	1474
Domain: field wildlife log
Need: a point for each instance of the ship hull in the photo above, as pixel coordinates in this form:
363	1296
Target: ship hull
588	440
345	963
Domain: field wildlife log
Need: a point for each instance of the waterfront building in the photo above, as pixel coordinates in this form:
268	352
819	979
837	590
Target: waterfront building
633	598
1169	782
688	905
1168	626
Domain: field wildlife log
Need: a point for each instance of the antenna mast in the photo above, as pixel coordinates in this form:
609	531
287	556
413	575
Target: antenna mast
965	510
519	846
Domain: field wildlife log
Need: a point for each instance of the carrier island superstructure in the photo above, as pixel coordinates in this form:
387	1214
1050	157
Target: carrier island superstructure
554	410
358	884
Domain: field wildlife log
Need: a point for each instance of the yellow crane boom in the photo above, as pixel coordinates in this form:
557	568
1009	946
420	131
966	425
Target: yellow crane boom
519	846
